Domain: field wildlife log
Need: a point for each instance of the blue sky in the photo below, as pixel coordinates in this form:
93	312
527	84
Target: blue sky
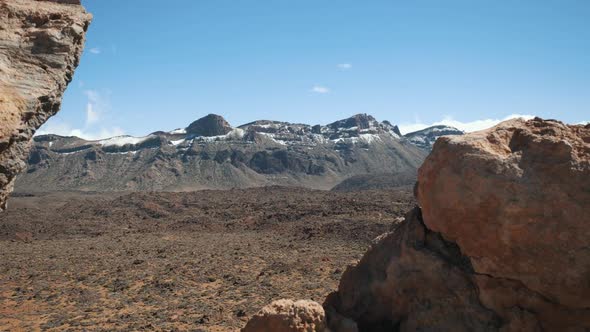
158	65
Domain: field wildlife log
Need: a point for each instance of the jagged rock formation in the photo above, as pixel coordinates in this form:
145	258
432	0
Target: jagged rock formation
500	243
210	153
289	316
426	138
40	46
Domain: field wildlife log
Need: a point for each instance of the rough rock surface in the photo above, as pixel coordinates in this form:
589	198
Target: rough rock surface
289	316
500	244
411	279
210	125
515	199
40	46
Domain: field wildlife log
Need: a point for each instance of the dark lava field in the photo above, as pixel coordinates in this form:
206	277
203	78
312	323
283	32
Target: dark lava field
196	261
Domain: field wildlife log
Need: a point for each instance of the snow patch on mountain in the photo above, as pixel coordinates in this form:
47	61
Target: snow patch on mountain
425	138
178	131
123	140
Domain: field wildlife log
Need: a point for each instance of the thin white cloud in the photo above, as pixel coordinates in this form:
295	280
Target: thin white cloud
93	96
469	126
91	116
95	50
344	66
320	89
58	127
97	106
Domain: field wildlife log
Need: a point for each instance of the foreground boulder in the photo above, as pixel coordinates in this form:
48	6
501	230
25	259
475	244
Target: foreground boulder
40	46
515	199
500	242
289	316
411	279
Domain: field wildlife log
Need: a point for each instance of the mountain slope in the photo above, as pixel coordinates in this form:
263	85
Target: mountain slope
380	181
211	154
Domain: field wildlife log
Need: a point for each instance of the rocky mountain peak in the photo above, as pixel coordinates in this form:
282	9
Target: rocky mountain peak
392	128
357	126
210	125
360	121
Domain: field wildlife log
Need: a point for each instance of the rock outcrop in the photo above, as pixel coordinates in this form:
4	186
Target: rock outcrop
289	316
208	126
40	47
499	242
515	199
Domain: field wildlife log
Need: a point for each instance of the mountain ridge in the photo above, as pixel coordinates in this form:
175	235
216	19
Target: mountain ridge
211	154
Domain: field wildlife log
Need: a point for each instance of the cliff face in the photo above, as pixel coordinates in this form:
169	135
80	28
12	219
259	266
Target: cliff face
40	47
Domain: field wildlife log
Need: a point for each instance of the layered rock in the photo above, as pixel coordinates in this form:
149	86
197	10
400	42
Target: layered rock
289	316
40	47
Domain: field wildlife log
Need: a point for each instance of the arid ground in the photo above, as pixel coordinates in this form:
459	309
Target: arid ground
199	261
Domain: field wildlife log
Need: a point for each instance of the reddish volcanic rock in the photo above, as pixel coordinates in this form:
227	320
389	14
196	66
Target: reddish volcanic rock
289	316
515	199
410	279
500	245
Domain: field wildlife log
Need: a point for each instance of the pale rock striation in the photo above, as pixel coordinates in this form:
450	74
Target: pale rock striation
289	316
40	47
